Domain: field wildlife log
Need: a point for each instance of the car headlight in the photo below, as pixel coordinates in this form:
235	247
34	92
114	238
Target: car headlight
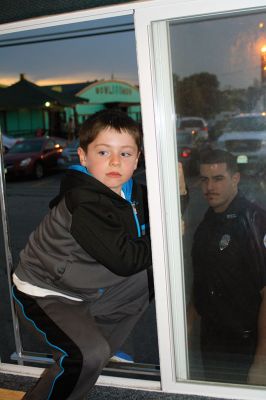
25	162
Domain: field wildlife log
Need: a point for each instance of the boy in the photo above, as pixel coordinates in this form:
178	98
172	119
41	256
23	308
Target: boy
82	278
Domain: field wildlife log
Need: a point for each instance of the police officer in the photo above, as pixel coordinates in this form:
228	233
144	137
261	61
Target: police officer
229	288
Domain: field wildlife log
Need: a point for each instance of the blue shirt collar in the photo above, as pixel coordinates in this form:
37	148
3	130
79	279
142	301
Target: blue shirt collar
127	186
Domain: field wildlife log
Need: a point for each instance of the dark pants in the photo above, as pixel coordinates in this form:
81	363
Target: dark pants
227	356
82	335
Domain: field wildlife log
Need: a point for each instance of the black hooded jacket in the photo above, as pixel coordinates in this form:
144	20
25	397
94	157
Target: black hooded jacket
89	239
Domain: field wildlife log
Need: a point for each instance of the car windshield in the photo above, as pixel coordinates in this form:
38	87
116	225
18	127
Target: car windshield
246	124
184	138
27	146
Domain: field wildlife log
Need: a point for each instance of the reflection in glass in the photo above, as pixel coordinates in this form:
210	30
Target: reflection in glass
81	53
221	82
247	123
6	333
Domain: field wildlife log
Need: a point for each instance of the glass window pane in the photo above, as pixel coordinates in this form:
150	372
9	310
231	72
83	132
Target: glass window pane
219	81
6	333
81	69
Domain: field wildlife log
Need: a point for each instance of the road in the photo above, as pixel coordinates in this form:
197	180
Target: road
27	202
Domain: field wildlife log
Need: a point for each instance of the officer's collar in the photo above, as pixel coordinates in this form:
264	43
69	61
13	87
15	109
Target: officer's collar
232	210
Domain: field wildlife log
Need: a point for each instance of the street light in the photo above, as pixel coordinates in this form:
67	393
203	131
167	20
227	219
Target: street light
263	64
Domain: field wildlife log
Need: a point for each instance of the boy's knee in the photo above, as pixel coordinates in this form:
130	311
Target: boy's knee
95	359
91	358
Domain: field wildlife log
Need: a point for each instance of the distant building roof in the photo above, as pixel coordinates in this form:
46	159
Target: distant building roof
113	91
25	94
71	88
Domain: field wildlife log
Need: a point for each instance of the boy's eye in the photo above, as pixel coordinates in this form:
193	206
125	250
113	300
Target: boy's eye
125	154
102	152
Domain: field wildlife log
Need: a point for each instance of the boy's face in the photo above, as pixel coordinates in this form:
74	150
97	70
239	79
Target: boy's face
111	158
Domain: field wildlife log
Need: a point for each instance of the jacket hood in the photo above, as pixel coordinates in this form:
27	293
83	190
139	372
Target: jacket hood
77	176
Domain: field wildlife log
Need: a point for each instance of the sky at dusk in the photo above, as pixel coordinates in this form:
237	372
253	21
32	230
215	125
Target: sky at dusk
72	60
227	47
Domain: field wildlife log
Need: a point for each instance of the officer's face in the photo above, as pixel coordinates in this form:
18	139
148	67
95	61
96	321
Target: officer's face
218	185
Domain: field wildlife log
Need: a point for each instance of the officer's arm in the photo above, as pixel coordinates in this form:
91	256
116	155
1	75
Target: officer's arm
257	372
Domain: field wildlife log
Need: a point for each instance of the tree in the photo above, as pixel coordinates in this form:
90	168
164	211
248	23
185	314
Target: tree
197	95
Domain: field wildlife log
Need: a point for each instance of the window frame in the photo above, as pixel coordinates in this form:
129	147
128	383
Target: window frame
159	128
152	42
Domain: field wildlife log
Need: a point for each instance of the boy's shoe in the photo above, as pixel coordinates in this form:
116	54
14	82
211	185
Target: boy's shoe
120	356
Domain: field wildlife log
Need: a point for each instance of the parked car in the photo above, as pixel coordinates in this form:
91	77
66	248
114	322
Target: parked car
8	142
192	137
32	157
245	137
215	129
196	126
69	155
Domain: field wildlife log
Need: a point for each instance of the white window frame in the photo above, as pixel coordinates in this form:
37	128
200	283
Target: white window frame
154	69
57	20
154	62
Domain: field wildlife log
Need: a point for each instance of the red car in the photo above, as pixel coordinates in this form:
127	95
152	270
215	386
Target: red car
33	157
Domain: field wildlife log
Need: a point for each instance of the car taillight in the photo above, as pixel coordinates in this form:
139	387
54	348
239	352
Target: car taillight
185	153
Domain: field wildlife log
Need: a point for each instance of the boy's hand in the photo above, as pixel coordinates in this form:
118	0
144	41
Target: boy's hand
182	184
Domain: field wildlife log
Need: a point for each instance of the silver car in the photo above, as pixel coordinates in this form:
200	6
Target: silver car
69	155
245	137
196	126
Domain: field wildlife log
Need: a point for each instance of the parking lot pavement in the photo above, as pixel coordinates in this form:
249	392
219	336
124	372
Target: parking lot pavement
27	202
47	186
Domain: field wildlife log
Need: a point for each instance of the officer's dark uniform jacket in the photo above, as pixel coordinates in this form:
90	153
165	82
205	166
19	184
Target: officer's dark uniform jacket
89	240
229	261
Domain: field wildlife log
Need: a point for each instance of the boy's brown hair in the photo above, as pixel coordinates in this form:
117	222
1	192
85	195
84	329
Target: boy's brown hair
115	119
